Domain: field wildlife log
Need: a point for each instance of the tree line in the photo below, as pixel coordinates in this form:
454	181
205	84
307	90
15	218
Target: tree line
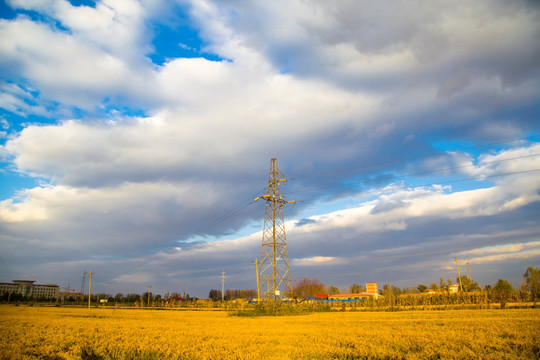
232	294
306	288
501	292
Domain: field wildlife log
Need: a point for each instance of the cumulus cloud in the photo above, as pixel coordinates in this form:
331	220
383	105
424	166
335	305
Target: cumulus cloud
125	19
100	57
197	138
377	43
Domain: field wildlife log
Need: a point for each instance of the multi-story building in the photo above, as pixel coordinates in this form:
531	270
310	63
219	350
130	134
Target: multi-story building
28	288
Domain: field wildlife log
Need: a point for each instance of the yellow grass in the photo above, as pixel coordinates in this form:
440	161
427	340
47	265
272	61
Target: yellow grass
72	333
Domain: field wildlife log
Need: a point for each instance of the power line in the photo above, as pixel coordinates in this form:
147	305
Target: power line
243	205
404	255
471	165
402	160
202	230
227	214
433	171
395	256
483	177
240	207
365	258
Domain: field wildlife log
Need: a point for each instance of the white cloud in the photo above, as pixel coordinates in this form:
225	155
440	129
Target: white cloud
137	278
13	213
116	26
75	152
510	248
501	258
64	68
316	260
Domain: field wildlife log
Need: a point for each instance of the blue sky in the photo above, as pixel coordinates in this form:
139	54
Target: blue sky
135	134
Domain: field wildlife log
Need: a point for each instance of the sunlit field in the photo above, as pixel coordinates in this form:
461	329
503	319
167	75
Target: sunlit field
76	333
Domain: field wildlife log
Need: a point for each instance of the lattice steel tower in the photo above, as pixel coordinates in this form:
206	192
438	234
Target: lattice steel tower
273	271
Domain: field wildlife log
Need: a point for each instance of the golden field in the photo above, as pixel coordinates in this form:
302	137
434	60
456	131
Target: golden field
76	333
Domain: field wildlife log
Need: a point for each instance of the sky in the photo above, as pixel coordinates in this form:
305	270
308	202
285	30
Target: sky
135	135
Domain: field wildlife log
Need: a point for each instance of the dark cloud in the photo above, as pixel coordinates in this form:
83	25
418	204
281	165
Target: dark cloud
305	221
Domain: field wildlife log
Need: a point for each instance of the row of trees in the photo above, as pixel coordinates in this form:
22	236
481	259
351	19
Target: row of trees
14	297
305	288
232	294
144	299
531	283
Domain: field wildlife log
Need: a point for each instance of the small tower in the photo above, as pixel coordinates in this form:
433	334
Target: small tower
273	271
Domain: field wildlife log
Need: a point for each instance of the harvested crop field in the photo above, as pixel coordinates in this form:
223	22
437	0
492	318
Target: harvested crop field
76	333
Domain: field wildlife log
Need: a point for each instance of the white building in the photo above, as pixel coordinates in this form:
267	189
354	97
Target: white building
28	288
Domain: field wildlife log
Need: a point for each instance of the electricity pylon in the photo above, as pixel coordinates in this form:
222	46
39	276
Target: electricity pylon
274	272
83	279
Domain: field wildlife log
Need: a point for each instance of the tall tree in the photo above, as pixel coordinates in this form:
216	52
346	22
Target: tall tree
214	295
502	291
308	287
147	298
389	290
132	298
442	285
332	290
356	289
532	282
468	284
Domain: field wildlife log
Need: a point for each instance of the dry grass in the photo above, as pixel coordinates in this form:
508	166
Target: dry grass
72	333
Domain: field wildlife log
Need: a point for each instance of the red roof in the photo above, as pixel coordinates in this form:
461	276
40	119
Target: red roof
176	298
362	294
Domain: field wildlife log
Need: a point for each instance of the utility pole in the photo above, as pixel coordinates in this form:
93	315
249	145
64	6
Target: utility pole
222	285
274	266
89	287
148	300
459	276
469	275
257	273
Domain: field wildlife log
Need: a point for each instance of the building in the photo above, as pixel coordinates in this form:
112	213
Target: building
372	288
359	296
27	288
343	297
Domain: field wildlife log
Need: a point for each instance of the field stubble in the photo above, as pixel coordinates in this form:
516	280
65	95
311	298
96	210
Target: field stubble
73	333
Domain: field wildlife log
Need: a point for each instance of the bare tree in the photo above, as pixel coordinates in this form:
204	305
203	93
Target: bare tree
308	287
